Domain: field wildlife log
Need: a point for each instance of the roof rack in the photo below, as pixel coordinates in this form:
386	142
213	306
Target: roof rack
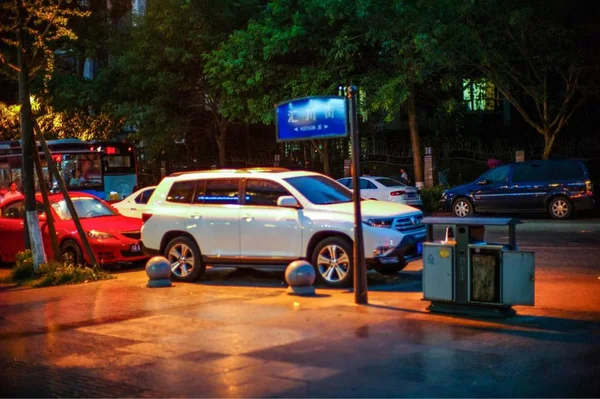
267	169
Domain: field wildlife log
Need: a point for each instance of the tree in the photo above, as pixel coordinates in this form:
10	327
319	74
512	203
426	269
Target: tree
156	80
536	53
310	47
31	27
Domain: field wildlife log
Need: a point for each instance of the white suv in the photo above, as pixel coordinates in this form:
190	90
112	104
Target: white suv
267	218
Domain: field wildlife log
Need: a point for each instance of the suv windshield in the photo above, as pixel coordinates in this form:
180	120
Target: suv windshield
84	206
320	190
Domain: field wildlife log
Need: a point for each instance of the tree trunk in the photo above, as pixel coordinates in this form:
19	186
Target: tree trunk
325	155
221	138
414	138
33	235
548	144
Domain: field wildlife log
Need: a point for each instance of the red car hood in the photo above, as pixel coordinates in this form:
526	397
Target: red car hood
111	224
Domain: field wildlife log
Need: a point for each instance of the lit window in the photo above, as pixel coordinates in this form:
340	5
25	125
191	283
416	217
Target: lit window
479	94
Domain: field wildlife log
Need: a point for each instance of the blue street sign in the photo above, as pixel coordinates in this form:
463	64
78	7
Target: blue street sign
311	118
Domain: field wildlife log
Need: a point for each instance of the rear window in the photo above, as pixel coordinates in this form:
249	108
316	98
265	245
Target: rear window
390	182
182	192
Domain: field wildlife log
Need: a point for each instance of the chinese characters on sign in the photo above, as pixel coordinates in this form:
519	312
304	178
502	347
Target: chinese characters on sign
311	118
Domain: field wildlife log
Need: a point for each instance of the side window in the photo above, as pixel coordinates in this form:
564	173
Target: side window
221	192
144	197
497	175
565	170
14	210
346	182
367	185
263	192
527	172
182	192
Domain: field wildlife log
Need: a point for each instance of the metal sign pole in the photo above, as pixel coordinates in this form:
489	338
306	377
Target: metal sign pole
360	269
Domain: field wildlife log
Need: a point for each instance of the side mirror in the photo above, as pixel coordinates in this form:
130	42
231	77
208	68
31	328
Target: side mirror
42	217
287	201
483	182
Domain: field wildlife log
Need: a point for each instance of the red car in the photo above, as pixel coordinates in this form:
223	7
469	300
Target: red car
114	238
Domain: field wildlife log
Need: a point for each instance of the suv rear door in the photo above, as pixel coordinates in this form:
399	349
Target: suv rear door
268	231
529	185
214	218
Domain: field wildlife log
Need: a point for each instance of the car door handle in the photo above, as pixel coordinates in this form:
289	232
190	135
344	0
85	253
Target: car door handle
133	209
196	217
248	218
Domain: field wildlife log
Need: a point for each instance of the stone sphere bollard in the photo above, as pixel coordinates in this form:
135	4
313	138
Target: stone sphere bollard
158	270
300	275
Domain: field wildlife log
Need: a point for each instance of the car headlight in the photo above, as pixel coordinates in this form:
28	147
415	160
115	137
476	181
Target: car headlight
385	223
99	235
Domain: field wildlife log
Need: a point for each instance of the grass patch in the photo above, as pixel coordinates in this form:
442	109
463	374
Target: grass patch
52	273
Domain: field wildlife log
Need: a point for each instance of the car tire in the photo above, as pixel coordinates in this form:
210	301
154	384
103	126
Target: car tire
390	270
71	253
462	207
179	250
337	275
560	208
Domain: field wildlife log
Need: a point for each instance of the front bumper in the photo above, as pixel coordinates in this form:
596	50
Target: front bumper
446	204
407	251
117	251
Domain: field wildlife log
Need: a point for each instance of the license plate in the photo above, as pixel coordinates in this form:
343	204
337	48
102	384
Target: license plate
411	195
135	248
419	248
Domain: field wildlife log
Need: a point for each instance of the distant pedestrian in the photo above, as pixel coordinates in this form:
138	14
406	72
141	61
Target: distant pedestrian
12	192
404	176
492	163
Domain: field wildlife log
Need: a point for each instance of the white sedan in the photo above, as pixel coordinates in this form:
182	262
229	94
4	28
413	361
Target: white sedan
134	205
386	189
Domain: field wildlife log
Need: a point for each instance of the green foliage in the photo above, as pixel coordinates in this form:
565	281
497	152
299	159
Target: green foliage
53	273
431	198
23	269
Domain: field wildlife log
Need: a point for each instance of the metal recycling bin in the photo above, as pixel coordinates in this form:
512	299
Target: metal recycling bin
465	274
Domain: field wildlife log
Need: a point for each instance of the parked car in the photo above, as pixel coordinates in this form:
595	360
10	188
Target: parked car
386	189
261	218
557	187
135	204
114	238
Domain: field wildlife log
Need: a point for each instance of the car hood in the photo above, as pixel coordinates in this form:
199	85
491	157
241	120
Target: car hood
375	209
111	224
463	188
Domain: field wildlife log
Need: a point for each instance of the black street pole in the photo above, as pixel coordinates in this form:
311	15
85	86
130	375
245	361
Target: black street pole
360	269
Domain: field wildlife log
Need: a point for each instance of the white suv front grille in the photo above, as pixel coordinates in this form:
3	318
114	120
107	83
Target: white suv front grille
408	223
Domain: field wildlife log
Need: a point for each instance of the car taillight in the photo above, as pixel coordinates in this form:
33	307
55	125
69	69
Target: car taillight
589	188
146	217
396	193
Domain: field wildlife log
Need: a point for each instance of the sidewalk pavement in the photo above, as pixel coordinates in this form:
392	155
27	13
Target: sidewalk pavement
117	338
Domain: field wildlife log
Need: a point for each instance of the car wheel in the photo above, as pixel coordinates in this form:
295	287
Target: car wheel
462	207
185	259
391	269
560	208
71	253
333	262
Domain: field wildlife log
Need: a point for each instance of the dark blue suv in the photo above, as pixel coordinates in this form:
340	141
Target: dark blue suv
557	186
